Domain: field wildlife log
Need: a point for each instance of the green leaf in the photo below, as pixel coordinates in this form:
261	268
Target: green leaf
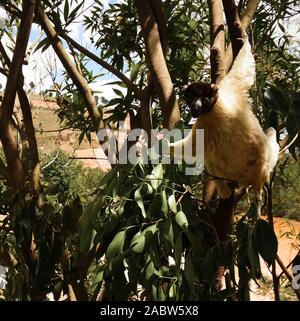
87	241
166	231
138	243
295	106
178	253
266	241
118	92
66	10
255	270
86	224
72	15
96	283
140	202
156	176
181	220
141	241
164	203
44	44
172	203
134	71
276	100
149	269
189	275
116	245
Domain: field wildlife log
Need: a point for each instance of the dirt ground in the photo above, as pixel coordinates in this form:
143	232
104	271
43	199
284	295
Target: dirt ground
288	247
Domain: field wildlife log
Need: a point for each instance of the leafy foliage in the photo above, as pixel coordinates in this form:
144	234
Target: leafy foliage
154	235
143	229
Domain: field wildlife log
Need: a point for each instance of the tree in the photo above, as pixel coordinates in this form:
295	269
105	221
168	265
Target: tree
153	48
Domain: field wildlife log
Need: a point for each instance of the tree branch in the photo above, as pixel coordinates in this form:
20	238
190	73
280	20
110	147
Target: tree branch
157	64
287	274
245	22
10	146
249	13
78	80
103	63
235	29
29	128
217	40
158	10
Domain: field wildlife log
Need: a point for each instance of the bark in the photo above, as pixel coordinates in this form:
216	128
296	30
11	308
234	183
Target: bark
245	22
157	64
223	218
10	147
217	38
158	10
146	120
235	29
270	219
249	13
28	127
30	132
78	80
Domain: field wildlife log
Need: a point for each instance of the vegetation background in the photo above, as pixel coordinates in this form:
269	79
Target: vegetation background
139	231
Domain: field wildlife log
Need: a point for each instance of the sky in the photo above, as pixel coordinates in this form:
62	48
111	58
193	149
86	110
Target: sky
37	70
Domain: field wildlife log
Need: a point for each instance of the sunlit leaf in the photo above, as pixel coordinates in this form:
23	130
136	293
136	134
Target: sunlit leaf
172	203
181	220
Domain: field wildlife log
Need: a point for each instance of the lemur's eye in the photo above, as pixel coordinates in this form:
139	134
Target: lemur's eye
206	100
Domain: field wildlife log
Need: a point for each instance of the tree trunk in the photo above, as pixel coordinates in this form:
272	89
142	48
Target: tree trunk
157	64
15	166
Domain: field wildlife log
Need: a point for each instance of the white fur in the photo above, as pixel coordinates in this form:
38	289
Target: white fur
235	146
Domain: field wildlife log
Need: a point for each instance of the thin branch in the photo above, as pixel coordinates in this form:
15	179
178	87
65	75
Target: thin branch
103	63
31	48
78	80
9	143
287	145
52	161
287	274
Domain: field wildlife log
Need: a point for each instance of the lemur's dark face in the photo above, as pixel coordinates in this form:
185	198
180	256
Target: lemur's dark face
200	97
